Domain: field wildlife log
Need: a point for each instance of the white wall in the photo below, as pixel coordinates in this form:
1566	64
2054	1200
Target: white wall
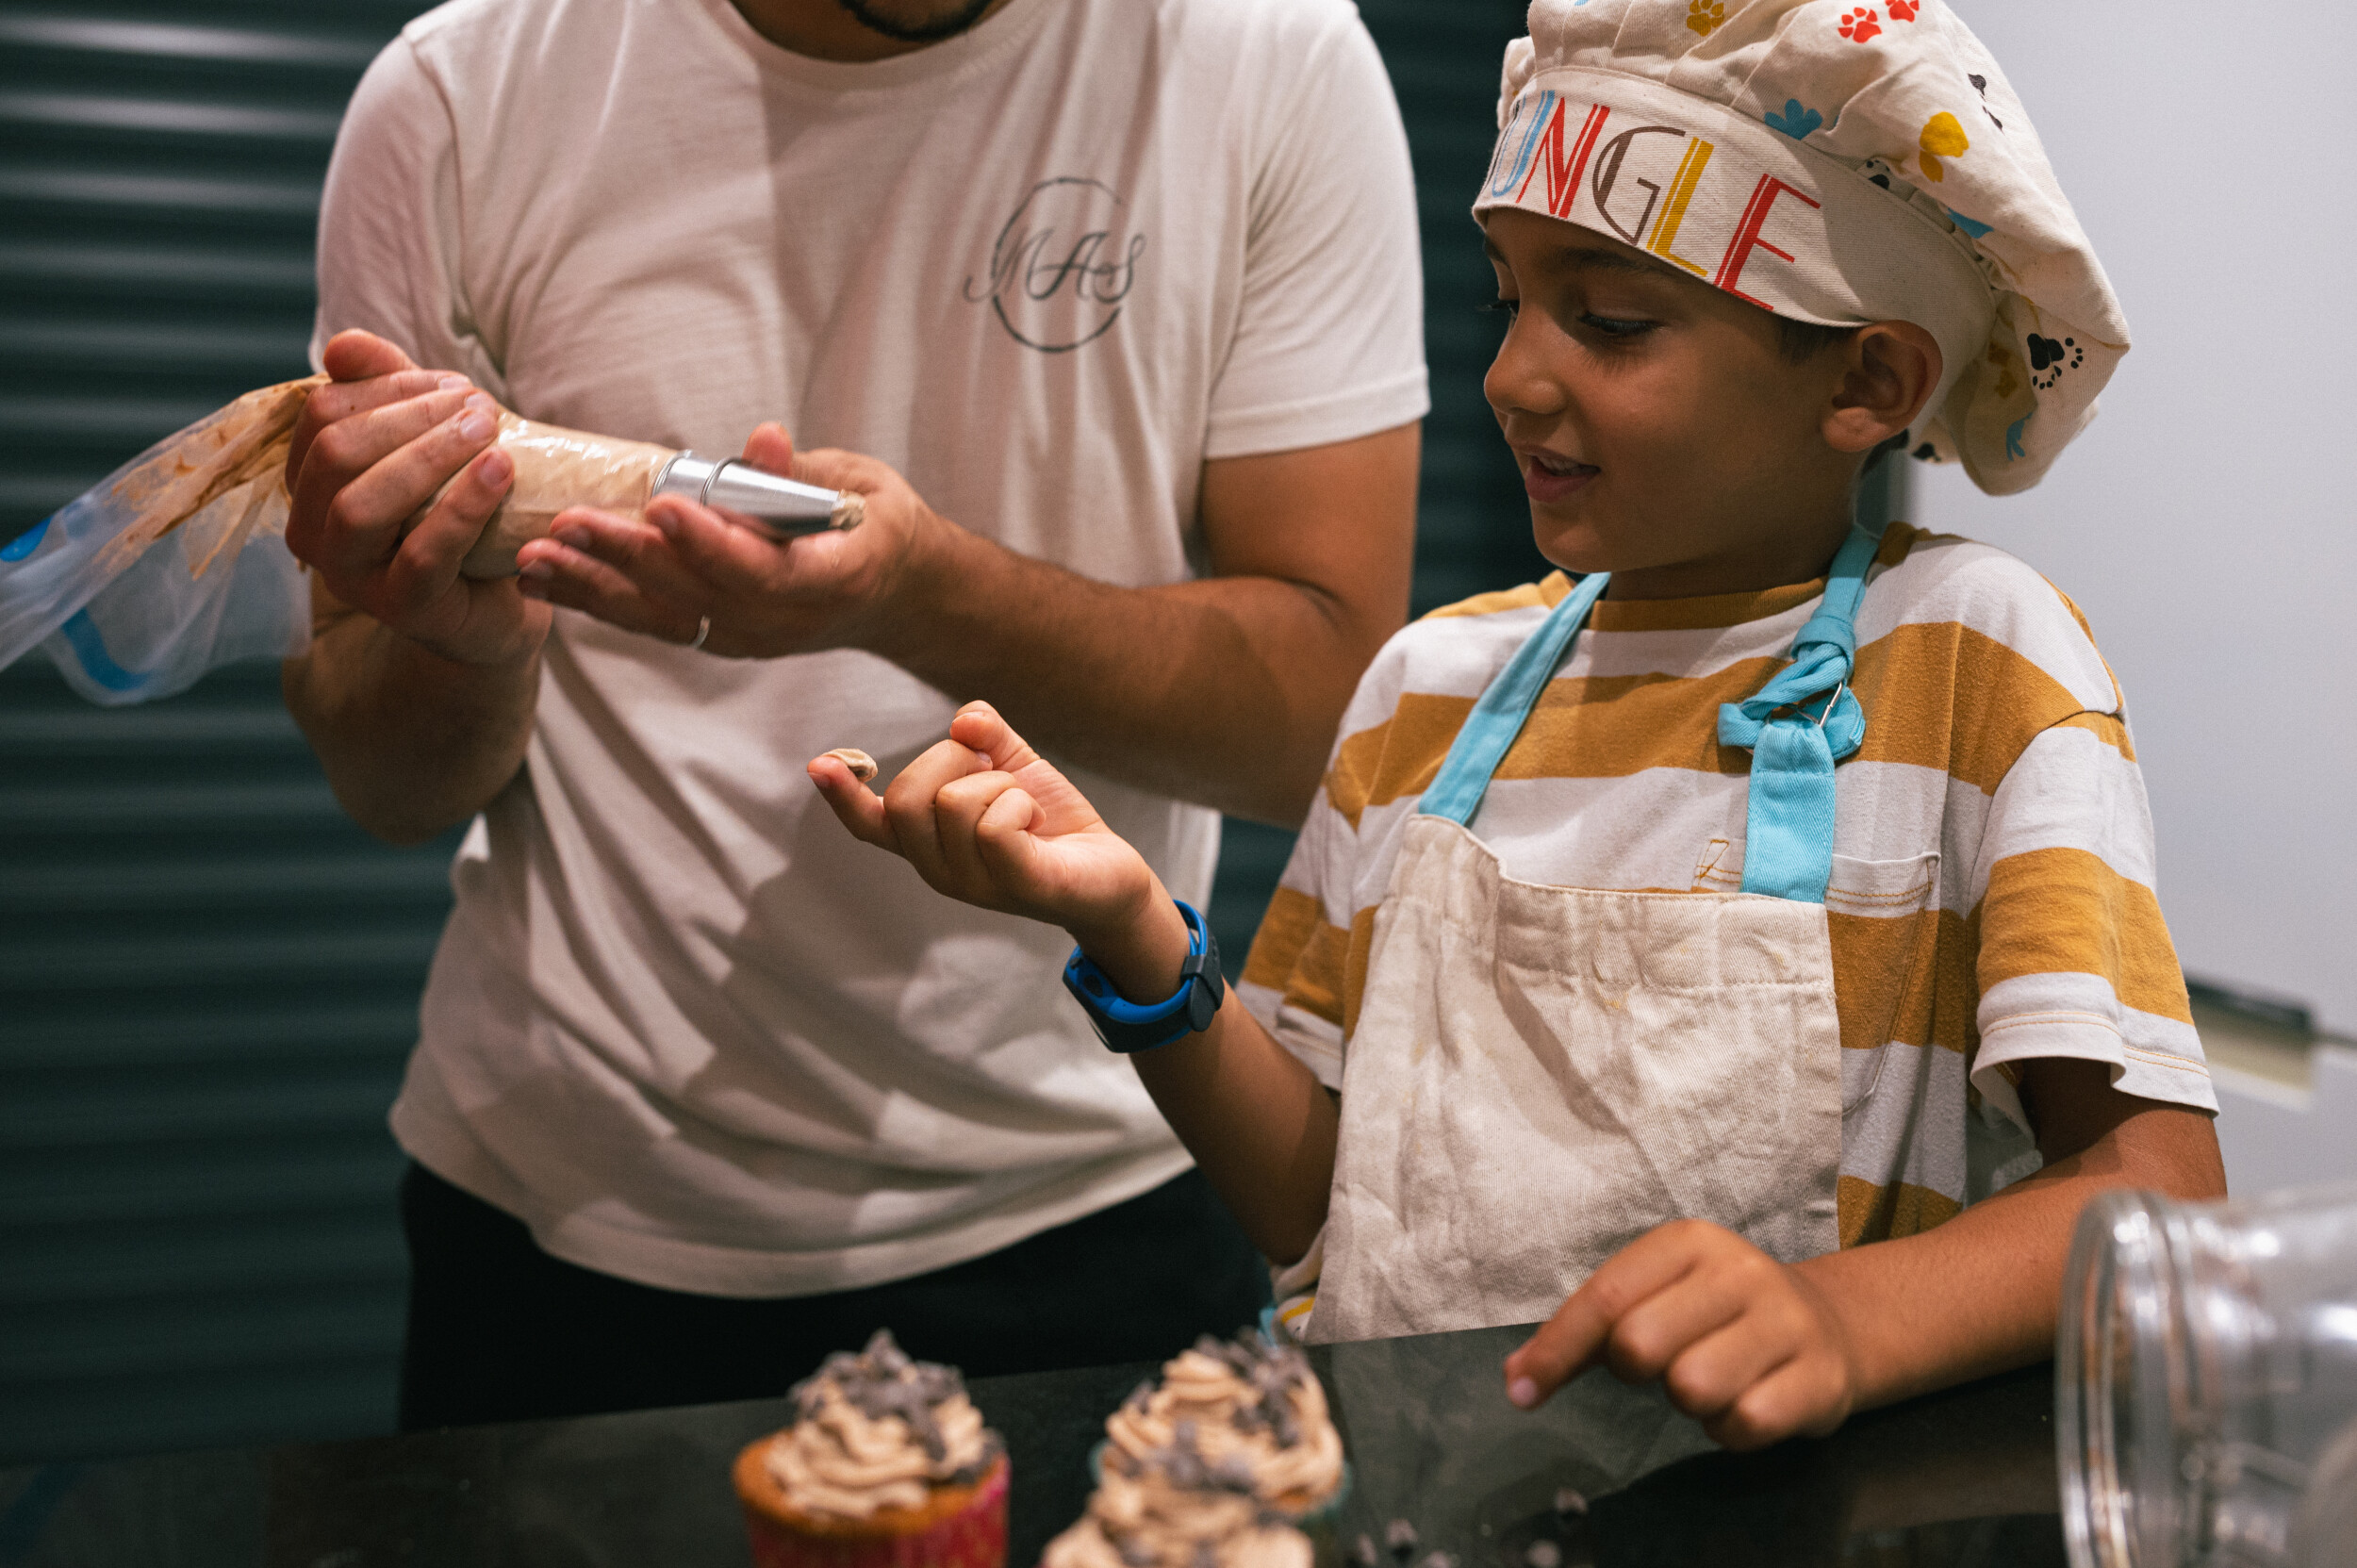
2273	1136
2205	523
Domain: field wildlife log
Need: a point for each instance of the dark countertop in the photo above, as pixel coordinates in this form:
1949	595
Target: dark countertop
1960	1479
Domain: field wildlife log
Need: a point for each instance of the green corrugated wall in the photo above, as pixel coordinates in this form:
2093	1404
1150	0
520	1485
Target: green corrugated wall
209	978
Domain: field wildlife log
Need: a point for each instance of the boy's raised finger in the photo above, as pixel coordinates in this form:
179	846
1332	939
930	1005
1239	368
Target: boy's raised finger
860	809
981	726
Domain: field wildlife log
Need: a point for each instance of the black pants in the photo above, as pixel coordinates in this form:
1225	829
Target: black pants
499	1330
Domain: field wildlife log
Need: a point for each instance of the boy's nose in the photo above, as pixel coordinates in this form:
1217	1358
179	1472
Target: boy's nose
1519	380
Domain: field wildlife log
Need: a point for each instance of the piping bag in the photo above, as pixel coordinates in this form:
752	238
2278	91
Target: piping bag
557	467
176	563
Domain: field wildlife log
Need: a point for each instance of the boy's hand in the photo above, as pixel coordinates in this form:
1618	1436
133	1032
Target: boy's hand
1748	1347
986	820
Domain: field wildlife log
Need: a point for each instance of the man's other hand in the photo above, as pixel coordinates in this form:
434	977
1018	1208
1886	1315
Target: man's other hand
664	576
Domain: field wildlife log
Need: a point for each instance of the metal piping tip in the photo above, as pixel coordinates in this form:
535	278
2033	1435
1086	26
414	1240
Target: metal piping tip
781	509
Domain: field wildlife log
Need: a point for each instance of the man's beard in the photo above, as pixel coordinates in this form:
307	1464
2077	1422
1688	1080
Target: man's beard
958	20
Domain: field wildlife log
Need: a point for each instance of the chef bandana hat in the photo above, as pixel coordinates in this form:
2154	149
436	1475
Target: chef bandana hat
1834	162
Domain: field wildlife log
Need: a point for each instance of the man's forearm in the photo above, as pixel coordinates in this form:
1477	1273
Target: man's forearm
411	742
1225	691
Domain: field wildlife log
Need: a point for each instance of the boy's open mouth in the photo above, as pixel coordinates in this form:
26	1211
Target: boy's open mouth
1549	477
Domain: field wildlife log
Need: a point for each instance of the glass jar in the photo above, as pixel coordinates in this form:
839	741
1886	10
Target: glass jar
2205	1382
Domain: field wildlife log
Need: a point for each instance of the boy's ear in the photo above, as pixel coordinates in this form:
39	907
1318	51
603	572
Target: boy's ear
1888	370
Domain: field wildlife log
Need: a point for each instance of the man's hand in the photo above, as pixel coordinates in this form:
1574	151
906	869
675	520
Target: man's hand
373	448
1748	1347
764	597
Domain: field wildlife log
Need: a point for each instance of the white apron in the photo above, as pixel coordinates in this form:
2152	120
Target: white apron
1540	1075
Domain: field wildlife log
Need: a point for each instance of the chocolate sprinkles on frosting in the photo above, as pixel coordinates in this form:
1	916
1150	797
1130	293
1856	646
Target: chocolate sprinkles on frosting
1273	1370
884	1381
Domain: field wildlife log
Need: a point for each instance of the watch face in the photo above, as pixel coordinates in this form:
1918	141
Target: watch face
1201	1005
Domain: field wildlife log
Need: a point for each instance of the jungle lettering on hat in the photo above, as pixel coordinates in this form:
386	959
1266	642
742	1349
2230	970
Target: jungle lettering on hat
1543	150
1836	163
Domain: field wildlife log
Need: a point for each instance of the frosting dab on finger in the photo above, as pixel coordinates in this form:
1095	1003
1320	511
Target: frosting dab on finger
862	766
851	510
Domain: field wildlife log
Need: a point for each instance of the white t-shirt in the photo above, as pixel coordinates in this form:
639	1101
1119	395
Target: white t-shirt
680	1023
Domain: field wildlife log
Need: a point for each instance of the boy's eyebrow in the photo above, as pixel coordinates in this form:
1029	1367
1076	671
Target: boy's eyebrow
1579	260
1610	261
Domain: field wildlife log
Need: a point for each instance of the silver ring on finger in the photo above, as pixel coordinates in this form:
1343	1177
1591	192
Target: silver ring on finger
703	630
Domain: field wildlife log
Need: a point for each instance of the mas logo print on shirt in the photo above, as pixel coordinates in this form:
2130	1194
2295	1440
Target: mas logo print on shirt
1061	265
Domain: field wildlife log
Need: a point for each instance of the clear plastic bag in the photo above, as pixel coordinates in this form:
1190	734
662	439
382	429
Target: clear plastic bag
175	563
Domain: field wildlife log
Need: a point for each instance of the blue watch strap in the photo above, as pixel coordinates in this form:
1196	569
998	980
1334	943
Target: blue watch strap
1124	1025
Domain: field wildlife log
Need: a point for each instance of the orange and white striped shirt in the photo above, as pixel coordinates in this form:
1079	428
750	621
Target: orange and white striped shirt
1991	898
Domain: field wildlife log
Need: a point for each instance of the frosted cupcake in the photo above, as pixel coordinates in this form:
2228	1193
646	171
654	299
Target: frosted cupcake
1254	1413
885	1464
1171	1508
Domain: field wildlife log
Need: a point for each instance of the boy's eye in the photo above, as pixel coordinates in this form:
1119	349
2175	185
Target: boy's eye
1509	306
1616	326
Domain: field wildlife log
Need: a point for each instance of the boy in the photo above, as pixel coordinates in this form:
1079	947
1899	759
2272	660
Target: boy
1594	987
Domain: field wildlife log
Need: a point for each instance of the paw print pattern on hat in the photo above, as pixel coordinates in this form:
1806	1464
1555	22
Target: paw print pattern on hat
1942	137
2047	356
1979	84
1822	159
1795	122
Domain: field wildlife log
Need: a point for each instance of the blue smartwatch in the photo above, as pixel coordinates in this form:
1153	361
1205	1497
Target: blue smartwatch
1124	1025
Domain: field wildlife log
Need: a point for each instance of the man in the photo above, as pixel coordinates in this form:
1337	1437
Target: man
1129	292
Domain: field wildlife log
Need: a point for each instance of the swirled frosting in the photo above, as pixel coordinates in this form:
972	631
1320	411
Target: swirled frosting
1170	1510
1252	1411
877	1431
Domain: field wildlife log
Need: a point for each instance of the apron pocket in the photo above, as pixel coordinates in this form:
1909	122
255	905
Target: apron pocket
1884	932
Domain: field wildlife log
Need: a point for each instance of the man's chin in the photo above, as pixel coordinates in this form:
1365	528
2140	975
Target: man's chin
916	20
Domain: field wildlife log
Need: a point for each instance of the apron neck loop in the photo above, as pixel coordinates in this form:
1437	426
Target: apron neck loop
1788	844
1498	718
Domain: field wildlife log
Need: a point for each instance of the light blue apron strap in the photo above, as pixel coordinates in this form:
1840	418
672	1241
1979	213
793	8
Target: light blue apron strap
1787	835
1498	716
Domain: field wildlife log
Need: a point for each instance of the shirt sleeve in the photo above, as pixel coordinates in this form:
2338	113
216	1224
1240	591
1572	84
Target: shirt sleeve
2074	959
391	225
1308	963
1329	344
1294	980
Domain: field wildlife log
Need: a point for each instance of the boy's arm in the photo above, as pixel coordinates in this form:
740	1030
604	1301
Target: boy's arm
1981	1292
1759	1350
983	818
